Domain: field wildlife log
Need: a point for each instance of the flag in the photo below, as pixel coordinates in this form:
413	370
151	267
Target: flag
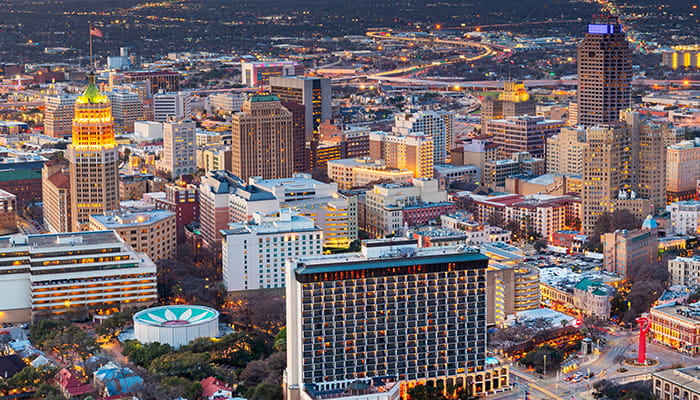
96	32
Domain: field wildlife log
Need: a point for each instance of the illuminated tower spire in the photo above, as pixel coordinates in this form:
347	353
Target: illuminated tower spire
93	156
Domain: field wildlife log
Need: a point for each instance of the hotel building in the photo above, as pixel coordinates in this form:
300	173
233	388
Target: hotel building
80	272
391	310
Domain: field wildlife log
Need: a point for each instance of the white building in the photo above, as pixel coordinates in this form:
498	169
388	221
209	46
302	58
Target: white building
178	105
438	125
684	217
78	272
229	103
179	147
148	130
254	254
684	271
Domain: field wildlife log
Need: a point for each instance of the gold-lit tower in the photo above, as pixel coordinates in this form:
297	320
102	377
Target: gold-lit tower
94	158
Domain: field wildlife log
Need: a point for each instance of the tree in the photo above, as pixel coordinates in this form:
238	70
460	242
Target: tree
281	340
425	392
176	387
267	391
255	373
188	365
143	354
610	222
541	355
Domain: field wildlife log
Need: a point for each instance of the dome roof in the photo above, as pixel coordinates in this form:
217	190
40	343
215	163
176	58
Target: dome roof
92	94
649	223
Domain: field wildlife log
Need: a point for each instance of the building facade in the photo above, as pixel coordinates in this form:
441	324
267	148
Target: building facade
179	147
58	115
151	232
522	134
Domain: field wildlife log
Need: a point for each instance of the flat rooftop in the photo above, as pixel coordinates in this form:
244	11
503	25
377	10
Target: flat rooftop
61	239
688	377
138	218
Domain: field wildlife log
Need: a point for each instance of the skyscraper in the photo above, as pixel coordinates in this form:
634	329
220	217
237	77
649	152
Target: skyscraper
262	139
604	72
438	125
94	158
58	115
313	93
126	109
167	105
179	145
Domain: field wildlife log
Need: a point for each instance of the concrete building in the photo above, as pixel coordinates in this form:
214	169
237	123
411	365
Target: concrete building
496	172
360	172
391	207
437	125
213	195
58	115
179	147
226	103
177	105
312	92
447	174
254	253
604	72
214	157
338	143
258	73
398	337
94	158
564	151
73	274
593	298
477	151
684	271
150	232
414	152
522	134
148	130
55	178
126	109
262	141
682	170
684	217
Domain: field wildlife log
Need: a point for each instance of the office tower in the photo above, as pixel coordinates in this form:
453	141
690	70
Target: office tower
179	147
50	276
177	105
55	179
522	134
564	151
513	101
151	231
414	152
58	115
126	109
258	73
254	253
313	93
604	72
301	153
168	81
391	311
262	139
626	250
438	125
182	199
94	158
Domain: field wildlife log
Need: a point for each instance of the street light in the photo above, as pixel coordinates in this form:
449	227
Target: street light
545	364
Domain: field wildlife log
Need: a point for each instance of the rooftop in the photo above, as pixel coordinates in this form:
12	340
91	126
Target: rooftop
124	219
62	239
688	377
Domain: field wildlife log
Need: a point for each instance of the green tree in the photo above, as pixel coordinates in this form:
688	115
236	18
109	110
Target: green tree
541	355
176	386
143	354
425	392
188	365
281	340
267	391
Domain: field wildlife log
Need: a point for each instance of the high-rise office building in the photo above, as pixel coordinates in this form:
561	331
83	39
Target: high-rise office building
301	153
438	125
604	72
262	139
94	158
522	134
564	151
513	101
314	93
624	167
682	170
179	147
390	311
166	105
168	81
58	115
126	109
258	73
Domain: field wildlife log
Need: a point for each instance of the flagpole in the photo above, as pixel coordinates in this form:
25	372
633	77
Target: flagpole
92	63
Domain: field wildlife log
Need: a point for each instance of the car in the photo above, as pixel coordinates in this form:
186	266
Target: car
24	326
